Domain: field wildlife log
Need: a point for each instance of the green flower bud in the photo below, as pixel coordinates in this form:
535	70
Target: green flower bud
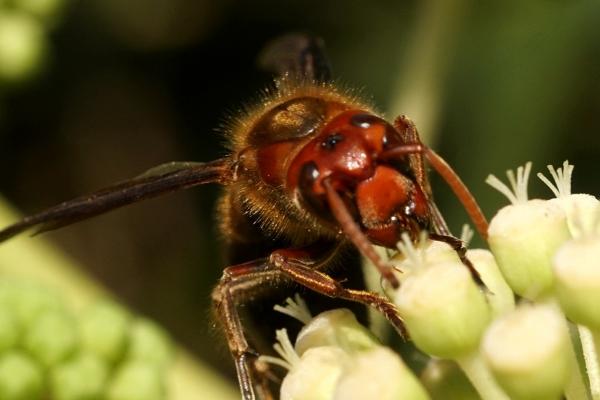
149	343
315	375
444	380
312	376
443	309
499	295
51	337
104	331
338	357
335	328
28	300
434	251
9	329
380	374
22	46
137	381
577	271
524	237
81	378
581	209
528	352
20	377
438	252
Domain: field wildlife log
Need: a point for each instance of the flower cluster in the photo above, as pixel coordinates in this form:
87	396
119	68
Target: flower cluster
529	331
49	352
335	357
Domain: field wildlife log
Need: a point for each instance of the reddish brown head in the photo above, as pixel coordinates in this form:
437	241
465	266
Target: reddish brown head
381	195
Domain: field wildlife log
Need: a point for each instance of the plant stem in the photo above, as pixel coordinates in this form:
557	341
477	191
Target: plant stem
481	378
590	355
576	388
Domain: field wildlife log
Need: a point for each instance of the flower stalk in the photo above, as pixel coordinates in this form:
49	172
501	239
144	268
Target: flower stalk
590	356
480	376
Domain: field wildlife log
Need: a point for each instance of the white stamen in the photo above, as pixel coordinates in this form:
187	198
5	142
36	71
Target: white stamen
285	349
415	254
295	308
517	193
275	361
562	179
501	187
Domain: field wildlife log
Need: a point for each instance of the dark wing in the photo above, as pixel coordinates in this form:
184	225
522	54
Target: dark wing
296	54
159	180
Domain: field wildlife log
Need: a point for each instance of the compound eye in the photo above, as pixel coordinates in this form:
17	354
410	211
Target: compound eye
309	174
369	121
331	141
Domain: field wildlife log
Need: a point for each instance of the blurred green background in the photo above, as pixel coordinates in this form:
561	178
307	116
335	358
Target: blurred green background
111	88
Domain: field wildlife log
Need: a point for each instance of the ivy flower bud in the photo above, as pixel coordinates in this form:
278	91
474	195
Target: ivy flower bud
104	331
434	250
51	337
443	309
577	271
137	381
9	329
312	376
437	252
380	374
337	328
444	380
149	343
524	237
20	377
528	352
580	208
335	357
27	300
81	378
315	375
499	295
